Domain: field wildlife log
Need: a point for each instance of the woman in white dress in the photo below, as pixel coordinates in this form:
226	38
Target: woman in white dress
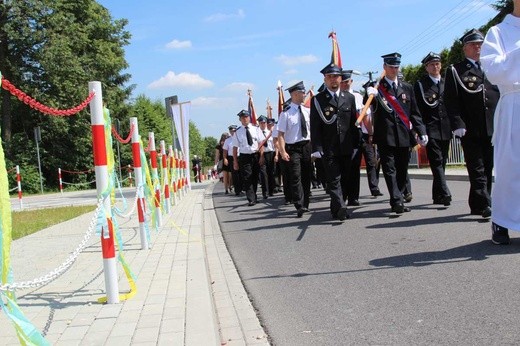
500	57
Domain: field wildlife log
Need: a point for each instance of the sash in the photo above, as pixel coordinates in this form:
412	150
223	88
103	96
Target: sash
394	104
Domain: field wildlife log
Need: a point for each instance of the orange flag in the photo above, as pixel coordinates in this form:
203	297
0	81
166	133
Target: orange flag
281	99
251	107
335	57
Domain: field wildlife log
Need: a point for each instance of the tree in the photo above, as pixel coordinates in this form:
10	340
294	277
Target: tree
51	50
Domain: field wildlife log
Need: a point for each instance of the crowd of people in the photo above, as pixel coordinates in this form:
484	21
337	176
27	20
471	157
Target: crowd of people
323	145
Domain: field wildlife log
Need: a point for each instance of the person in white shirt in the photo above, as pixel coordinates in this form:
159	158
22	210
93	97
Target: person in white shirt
234	176
295	148
500	56
246	140
267	169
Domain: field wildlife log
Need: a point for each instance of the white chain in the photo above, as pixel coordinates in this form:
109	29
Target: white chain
45	279
118	213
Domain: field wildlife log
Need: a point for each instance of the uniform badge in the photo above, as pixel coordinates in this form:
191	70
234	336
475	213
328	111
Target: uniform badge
327	113
403	97
430	99
465	79
474	79
470	85
434	96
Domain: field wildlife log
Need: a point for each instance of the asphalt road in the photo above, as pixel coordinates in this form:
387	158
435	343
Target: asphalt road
428	277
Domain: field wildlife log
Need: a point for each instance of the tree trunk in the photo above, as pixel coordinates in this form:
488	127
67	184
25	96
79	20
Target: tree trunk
6	96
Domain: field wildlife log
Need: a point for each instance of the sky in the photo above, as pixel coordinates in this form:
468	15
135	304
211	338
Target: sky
211	52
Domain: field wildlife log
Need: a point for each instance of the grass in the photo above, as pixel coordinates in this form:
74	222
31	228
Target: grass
31	221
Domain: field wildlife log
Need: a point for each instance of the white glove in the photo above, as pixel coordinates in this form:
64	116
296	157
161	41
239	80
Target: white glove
371	91
215	167
316	154
459	132
423	140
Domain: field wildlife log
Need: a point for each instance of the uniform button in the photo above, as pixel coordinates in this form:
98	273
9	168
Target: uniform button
487	108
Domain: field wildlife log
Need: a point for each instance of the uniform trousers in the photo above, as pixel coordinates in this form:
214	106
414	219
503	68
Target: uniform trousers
437	152
267	174
371	164
350	184
300	170
336	166
249	170
394	161
478	154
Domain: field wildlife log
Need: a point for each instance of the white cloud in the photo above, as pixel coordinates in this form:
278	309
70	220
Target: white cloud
296	60
176	44
219	17
291	71
213	102
183	79
239	87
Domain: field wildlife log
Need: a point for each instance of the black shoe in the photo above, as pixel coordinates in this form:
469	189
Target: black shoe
408	197
287	202
226	192
342	214
265	196
377	193
499	235
250	204
300	212
354	203
486	213
271	194
444	200
400	208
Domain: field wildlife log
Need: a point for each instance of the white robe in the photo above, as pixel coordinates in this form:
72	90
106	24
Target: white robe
500	58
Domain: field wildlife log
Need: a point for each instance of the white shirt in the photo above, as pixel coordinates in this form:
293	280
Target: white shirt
240	139
270	144
435	80
228	145
289	124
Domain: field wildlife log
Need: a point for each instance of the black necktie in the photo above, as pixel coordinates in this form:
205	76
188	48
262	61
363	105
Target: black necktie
477	63
248	135
335	98
265	143
303	123
394	87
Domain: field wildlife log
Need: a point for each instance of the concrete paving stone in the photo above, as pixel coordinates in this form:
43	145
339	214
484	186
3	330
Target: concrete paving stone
175	302
234	343
255	334
226	311
173	325
123	329
149	335
119	340
74	333
110	310
152	309
67	343
56	327
231	333
155	299
169	339
148	321
82	319
130	305
130	316
173	313
95	338
101	325
229	321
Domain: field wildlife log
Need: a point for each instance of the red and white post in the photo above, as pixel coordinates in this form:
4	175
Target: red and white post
166	181
60	180
101	168
139	183
19	184
173	182
155	178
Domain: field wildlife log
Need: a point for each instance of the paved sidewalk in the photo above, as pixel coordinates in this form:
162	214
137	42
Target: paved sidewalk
188	290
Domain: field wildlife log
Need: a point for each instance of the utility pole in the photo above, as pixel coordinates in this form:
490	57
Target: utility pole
118	129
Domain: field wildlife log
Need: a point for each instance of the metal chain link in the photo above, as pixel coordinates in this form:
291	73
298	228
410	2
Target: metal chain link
45	279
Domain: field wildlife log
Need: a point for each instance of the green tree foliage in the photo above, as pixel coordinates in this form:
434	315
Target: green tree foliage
151	117
51	50
209	144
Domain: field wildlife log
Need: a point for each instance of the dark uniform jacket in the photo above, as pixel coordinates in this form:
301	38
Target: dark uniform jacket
466	109
431	105
342	135
389	129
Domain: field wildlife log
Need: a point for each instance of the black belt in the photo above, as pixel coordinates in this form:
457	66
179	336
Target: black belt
296	145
